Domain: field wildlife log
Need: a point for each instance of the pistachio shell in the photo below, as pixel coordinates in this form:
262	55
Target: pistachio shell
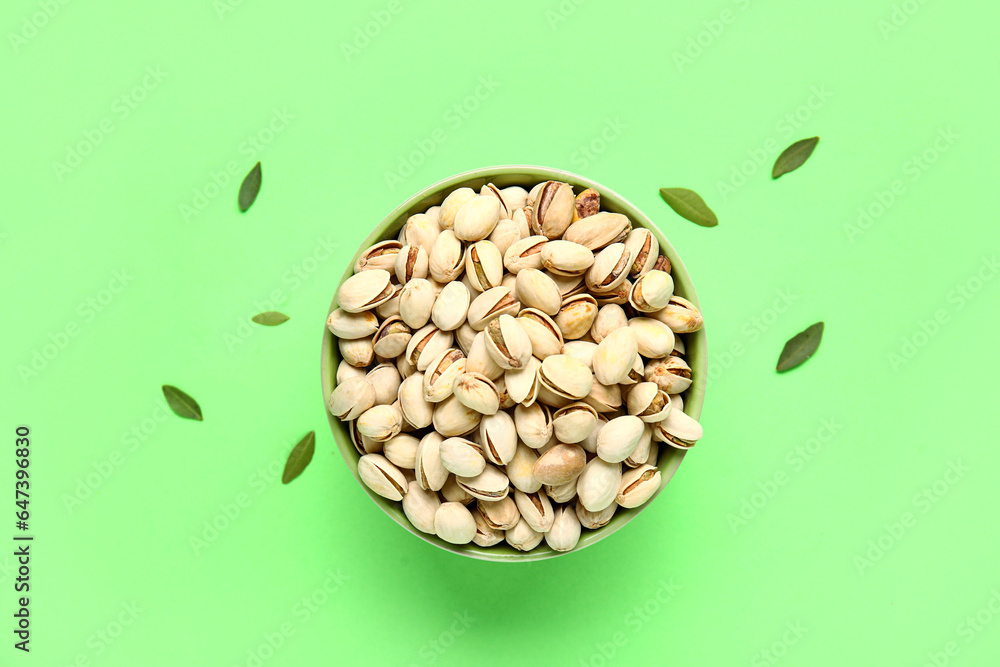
507	343
525	254
581	350
441	373
598	484
486	535
451	418
426	344
417	410
420	507
652	292
566	258
680	315
523	537
500	514
380	422
498	435
479	360
644	249
546	338
610	269
535	509
566	376
453	523
391	338
492	304
609	318
574	423
533	424
520	467
560	465
358	353
453	203
401	450
655	338
345	371
416	301
552	209
350	326
351	398
386	380
381	476
365	290
504	235
565	532
381	256
615	356
594	520
451	307
604	398
483	265
620	438
644	450
678	430
672	375
648	402
421	230
576	316
476	391
477	218
462	457
490	484
411	262
599	230
430	471
446	260
638	485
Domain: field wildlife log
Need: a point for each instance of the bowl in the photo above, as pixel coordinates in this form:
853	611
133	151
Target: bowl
525	176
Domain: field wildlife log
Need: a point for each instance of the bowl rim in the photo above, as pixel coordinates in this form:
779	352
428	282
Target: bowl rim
418	202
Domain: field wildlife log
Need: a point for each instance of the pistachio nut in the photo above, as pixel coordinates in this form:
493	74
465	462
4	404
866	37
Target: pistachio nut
452	492
391	306
548	398
546	338
479	360
595	520
441	373
574	423
519	469
504	235
476	391
609	318
451	307
350	326
618	297
391	338
416	301
385	379
552	209
644	248
507	343
345	371
535	509
486	535
363	443
599	230
490	484
604	398
598	484
417	410
382	477
652	292
655	338
672	375
678	430
411	262
500	514
420	230
565	532
648	402
430	471
462	457
638	485
610	269
401	450
446	260
358	353
525	254
451	418
483	265
533	425
492	304
581	350
426	344
498	437
351	398
464	336
566	258
588	203
680	315
560	465
615	356
365	290
619	439
454	523
514	197
477	218
521	218
537	290
576	316
521	384
382	256
565	376
642	451
662	264
420	507
380	422
523	537
453	203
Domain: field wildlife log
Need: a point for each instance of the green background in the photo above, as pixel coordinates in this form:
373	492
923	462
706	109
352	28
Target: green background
129	268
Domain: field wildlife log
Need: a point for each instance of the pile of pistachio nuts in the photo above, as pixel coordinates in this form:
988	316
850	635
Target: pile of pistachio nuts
511	365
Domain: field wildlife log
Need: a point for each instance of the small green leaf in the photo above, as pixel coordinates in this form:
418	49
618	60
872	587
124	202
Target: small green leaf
271	318
689	204
182	404
300	457
250	188
794	156
800	347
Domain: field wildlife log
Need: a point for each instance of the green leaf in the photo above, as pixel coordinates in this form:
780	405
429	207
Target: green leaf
300	457
182	404
794	156
271	318
250	188
800	347
688	204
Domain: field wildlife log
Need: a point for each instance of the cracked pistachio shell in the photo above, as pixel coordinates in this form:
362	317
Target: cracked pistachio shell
615	356
652	292
581	350
535	289
451	418
604	398
507	343
351	398
498	437
453	203
464	335
391	338
416	301
638	485
679	430
519	469
476	391
569	285
446	259
365	290
566	258
644	250
426	344
454	523
618	297
565	532
552	209
351	326
680	315
655	338
430	471
401	450
551	399
610	269
521	218
420	506
609	318
490	484
535	509
524	254
483	265
381	476
599	230
648	402
477	218
635	374
486	535
574	423
521	384
417	410
451	307
504	235
566	376
588	203
533	424
358	353
595	520
391	307
562	493
546	338
560	465
386	380
576	316
598	484
411	262
381	256
490	305
672	375
620	438
462	457
523	537
420	230
380	422
345	371
500	514
441	373
479	360
493	191
452	492
641	453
